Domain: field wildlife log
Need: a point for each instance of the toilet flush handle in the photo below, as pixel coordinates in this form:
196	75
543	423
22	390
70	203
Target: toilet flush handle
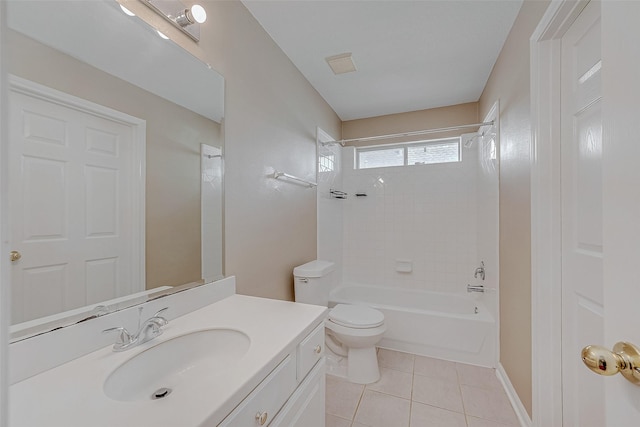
304	279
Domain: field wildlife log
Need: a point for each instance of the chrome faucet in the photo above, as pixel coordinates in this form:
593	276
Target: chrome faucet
475	288
479	271
150	328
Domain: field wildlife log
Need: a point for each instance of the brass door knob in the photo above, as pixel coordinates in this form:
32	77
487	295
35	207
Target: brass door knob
14	255
261	418
625	358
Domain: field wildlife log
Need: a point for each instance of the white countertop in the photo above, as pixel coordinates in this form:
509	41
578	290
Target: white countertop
72	394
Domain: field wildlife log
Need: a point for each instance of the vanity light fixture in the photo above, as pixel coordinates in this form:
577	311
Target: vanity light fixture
186	19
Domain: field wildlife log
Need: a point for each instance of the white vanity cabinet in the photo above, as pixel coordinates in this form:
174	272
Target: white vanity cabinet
277	381
292	395
306	407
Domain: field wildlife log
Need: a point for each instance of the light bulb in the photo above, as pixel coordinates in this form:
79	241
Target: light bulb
198	13
194	15
127	11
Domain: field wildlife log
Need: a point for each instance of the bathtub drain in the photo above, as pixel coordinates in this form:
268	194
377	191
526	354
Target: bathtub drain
160	393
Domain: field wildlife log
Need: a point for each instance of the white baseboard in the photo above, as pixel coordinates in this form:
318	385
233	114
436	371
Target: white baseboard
518	407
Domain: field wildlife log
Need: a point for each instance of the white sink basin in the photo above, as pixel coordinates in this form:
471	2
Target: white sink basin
172	365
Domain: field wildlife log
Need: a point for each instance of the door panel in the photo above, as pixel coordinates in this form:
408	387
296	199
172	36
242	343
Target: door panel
621	113
582	238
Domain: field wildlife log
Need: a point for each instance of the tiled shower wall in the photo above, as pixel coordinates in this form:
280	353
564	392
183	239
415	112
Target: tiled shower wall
488	217
330	210
423	217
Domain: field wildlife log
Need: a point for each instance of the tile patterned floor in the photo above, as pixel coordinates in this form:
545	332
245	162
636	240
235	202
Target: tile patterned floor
417	391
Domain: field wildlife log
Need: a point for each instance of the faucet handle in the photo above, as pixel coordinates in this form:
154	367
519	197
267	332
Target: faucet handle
163	321
160	311
124	337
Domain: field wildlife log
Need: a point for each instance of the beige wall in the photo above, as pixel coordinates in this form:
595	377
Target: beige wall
509	82
271	114
434	118
174	135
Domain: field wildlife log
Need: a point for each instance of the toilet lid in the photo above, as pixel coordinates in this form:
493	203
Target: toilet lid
356	316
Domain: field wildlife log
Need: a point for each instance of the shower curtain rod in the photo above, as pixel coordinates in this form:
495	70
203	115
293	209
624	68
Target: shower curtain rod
414	133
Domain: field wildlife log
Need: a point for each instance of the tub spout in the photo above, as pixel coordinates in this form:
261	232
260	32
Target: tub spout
475	288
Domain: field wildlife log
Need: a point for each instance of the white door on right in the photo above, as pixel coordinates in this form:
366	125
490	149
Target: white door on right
600	119
582	221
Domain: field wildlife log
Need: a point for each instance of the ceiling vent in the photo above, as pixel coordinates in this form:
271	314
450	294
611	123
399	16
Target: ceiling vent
341	64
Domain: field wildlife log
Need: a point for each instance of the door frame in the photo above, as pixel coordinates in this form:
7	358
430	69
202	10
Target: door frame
546	268
137	165
5	295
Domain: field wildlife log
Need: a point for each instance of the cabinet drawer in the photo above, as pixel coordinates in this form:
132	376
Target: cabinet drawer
261	406
310	350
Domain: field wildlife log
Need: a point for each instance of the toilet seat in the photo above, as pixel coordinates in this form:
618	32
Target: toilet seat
356	316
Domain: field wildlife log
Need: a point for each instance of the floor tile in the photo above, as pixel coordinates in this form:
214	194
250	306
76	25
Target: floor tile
418	391
383	410
342	397
444	394
479	422
396	383
477	376
430	416
396	360
490	405
435	368
333	421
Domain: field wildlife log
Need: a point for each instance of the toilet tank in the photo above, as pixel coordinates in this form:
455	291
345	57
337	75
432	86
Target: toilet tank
312	282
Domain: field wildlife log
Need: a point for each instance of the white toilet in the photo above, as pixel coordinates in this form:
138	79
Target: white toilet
351	331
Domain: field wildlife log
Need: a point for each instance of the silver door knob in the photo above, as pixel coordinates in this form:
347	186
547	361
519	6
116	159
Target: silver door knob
14	256
625	358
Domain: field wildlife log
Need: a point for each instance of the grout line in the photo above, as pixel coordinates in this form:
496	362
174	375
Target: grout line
358	405
411	396
464	408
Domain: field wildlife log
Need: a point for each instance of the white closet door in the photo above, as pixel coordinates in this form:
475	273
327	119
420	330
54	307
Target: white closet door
71	177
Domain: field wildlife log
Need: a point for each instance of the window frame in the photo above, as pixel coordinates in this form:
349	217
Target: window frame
405	148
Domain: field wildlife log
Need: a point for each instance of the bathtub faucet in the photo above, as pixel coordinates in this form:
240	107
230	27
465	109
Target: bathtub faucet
475	288
479	271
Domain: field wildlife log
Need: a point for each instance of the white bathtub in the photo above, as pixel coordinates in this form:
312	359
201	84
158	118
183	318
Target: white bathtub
442	325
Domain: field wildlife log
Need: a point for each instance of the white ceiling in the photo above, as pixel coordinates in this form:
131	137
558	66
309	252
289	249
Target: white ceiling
410	55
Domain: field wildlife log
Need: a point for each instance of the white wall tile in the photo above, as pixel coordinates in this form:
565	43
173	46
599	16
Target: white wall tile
423	213
443	217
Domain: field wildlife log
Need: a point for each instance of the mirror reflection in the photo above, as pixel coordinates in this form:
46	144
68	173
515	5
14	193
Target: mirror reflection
116	143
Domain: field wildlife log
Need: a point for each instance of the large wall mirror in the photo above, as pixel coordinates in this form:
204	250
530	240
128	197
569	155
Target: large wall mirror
115	164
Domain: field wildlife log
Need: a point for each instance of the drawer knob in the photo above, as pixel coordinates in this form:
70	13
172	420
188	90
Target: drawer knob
261	418
318	349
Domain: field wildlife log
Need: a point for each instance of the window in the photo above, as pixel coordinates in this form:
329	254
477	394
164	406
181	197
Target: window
326	162
409	154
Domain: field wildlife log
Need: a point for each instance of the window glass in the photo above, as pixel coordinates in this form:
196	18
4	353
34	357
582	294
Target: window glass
326	162
441	152
409	154
382	157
